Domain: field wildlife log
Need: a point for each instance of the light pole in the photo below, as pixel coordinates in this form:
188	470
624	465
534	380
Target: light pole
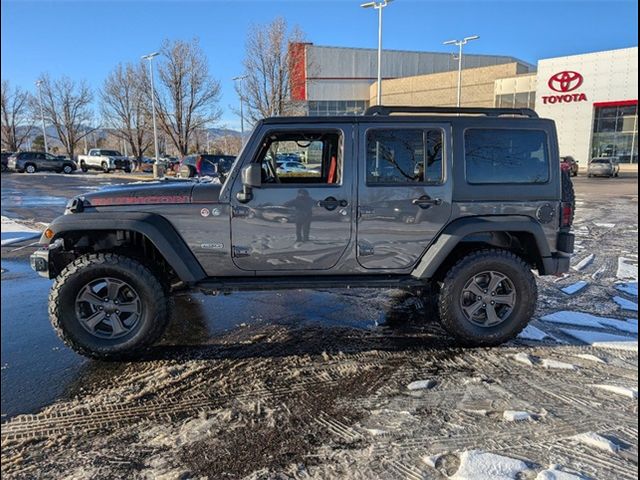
44	128
153	111
378	6
240	79
460	44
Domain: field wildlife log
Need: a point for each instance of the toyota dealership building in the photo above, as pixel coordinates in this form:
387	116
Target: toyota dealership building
593	97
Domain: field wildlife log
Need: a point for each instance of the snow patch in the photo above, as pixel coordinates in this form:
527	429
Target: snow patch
376	432
604	340
624	391
591	358
515	416
592	439
552	473
626	304
421	384
532	333
630	288
479	465
585	262
12	231
604	225
524	358
431	460
582	319
555	364
627	269
575	288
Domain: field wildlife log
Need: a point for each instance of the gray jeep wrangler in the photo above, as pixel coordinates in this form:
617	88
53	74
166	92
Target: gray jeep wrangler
459	202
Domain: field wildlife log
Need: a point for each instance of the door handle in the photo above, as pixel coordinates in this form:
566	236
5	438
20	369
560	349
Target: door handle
426	202
331	203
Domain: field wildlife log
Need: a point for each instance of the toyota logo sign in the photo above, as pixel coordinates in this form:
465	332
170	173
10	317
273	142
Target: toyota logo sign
566	81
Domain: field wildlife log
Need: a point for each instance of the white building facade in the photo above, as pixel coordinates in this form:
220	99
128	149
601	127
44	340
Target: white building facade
593	99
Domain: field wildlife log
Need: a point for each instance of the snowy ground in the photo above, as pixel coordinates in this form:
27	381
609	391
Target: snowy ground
296	400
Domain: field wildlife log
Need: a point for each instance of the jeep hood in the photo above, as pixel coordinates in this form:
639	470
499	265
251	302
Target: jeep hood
153	193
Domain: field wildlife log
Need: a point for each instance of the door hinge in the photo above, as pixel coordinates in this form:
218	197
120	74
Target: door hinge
365	250
241	252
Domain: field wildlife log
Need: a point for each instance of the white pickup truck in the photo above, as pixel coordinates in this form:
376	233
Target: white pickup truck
105	160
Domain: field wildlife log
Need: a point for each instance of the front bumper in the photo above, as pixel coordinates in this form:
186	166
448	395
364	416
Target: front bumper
40	262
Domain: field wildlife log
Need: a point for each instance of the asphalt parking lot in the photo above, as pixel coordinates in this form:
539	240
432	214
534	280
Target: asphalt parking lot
314	384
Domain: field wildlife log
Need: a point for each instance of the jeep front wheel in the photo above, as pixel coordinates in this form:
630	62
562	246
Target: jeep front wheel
108	306
487	298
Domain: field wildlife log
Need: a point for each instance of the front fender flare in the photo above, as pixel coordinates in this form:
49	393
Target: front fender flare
156	228
453	234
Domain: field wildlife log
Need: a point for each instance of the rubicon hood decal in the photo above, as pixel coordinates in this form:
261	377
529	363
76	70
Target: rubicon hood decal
148	193
137	200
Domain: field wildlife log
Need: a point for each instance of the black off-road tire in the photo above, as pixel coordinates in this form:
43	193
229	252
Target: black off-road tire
153	294
452	317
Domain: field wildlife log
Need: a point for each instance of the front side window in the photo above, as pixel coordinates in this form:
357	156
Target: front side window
404	156
506	156
301	157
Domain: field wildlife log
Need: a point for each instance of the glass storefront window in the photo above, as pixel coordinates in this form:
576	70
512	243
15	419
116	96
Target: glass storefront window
325	108
615	132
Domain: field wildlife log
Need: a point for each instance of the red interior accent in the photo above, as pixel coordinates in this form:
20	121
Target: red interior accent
198	164
333	166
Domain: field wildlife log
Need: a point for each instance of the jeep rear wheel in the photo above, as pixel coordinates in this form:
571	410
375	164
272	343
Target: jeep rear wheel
487	298
108	306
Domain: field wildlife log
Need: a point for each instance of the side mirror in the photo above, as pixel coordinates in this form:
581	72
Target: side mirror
251	178
252	175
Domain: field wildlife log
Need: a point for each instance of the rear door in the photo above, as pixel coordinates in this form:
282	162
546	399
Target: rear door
404	192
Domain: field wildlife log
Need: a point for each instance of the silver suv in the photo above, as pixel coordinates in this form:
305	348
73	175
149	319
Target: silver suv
461	203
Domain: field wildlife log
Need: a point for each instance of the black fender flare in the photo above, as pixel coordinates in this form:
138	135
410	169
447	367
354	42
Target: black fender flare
454	232
155	227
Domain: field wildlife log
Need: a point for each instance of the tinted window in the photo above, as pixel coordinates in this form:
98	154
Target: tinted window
404	156
506	156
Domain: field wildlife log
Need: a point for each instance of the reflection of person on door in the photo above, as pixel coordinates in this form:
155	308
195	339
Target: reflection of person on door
303	208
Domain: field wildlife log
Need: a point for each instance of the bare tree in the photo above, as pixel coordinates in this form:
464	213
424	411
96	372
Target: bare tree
186	95
66	106
269	56
125	109
17	118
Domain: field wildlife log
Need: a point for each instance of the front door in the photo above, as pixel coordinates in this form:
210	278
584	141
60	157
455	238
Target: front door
404	192
296	220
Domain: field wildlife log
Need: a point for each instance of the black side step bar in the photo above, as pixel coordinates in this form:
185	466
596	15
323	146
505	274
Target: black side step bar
489	112
289	282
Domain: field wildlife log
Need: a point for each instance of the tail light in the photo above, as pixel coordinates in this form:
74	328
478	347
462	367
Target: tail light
566	214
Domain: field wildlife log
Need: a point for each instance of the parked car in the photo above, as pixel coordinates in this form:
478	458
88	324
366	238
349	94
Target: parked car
32	162
5	160
105	160
569	164
604	167
498	210
284	168
204	165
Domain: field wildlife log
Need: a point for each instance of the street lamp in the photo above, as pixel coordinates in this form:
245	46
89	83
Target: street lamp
378	6
44	129
150	57
460	44
240	79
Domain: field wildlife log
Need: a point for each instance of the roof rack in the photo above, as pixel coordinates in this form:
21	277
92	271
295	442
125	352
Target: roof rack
489	112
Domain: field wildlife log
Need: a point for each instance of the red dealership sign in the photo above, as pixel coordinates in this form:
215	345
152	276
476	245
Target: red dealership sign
563	83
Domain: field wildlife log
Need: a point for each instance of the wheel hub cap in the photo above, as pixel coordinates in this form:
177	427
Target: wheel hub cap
488	299
108	308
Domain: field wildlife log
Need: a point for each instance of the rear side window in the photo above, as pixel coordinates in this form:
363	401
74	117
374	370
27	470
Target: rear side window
404	156
506	156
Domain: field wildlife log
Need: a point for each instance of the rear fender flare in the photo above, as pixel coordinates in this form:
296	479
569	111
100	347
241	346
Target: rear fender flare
457	230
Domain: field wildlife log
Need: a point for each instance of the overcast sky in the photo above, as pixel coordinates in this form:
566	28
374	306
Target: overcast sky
84	40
